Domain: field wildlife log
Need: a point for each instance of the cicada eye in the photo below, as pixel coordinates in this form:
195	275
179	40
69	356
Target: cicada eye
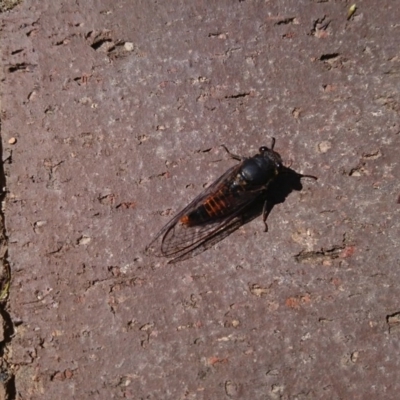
263	149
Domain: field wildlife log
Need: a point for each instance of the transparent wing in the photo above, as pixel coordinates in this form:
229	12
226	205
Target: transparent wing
182	241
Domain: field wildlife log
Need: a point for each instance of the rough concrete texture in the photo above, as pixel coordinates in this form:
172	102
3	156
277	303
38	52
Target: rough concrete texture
118	110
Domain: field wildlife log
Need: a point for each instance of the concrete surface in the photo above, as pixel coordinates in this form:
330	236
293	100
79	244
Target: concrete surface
112	117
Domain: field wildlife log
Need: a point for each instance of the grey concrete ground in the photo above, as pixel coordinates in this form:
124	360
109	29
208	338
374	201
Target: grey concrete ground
112	117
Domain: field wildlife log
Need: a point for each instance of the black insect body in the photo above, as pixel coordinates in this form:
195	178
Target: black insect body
223	207
246	180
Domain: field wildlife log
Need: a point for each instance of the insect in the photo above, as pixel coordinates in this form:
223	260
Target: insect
223	207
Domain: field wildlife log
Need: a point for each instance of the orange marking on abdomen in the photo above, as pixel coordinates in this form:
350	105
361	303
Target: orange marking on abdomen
215	204
185	220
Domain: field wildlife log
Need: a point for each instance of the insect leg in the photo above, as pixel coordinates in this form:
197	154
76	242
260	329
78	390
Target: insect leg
289	171
234	156
265	212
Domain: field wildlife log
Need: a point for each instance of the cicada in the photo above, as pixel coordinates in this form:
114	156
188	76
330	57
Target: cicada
222	207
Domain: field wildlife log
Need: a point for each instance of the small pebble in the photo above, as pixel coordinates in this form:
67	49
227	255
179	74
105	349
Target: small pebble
324	146
12	140
128	46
